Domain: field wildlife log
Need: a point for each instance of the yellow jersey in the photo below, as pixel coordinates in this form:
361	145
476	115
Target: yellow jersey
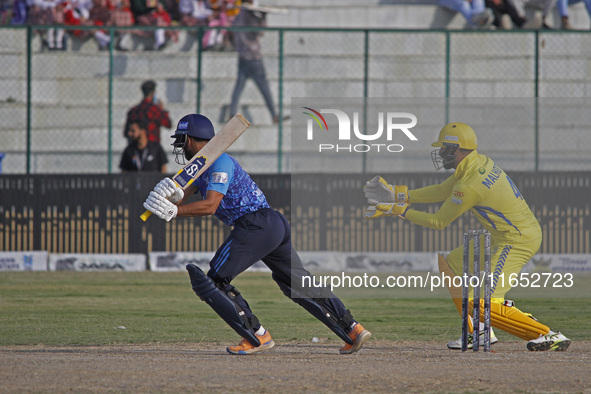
487	191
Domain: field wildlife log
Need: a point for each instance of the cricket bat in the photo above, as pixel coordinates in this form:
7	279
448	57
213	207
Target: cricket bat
210	153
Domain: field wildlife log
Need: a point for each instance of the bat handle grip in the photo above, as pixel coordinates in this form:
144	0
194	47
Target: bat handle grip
145	215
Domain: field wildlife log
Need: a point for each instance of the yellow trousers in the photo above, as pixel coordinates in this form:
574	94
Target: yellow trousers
505	260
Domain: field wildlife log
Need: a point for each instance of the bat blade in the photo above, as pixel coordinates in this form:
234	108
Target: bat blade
210	153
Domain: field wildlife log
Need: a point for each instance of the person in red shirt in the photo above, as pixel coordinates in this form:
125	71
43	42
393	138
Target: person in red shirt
150	109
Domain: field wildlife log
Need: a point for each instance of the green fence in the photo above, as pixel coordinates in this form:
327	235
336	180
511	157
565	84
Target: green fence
63	111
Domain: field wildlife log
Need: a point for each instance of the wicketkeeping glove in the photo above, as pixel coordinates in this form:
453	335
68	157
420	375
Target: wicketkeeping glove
387	209
371	212
398	209
378	191
160	206
167	188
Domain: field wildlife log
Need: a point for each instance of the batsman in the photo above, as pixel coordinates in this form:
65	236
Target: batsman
259	233
482	187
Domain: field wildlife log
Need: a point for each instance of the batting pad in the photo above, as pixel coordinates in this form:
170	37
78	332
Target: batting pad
511	320
506	318
222	304
515	322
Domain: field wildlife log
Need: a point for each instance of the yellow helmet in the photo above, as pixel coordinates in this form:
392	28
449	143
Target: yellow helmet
457	134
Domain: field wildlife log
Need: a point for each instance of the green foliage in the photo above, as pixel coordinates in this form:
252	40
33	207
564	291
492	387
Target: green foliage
81	308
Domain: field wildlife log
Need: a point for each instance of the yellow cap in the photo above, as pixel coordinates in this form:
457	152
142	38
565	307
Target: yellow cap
457	133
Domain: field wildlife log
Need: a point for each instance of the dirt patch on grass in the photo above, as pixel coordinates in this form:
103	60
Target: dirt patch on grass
293	367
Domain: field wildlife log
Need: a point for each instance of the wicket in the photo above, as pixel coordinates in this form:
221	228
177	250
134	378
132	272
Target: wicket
474	236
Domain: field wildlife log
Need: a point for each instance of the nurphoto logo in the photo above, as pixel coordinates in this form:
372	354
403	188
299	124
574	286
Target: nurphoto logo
390	125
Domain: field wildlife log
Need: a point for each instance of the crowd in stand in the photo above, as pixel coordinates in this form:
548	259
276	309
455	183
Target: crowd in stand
66	15
488	14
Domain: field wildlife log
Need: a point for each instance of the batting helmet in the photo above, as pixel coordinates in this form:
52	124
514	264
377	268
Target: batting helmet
194	125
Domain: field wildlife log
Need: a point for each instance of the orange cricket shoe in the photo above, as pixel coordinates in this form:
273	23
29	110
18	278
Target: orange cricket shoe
245	347
359	335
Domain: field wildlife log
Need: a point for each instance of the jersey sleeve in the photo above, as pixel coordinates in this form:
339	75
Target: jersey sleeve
433	193
221	174
461	199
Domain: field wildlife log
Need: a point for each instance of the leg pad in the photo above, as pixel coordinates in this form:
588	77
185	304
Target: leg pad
320	306
222	303
515	322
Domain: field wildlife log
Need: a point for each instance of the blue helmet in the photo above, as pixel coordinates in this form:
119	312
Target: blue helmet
192	125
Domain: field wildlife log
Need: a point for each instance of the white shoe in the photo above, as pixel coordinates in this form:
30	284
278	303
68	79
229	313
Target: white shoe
457	344
551	341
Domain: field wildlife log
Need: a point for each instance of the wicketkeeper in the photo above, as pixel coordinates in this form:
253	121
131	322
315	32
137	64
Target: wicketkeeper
478	185
259	233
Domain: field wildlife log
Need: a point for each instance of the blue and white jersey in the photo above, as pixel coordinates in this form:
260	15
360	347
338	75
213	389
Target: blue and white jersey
241	194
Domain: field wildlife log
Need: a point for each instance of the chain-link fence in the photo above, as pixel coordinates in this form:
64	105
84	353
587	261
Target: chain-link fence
64	111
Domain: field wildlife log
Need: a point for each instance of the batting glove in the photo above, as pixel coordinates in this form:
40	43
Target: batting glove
398	209
170	190
160	206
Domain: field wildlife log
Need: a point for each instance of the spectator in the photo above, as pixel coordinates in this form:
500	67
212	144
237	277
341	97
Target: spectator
88	13
6	9
172	8
153	13
473	11
100	15
142	154
164	19
121	15
514	8
47	12
194	13
548	7
563	11
150	109
219	39
19	12
229	7
250	60
76	13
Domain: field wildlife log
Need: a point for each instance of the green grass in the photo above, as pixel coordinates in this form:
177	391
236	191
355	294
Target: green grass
79	308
